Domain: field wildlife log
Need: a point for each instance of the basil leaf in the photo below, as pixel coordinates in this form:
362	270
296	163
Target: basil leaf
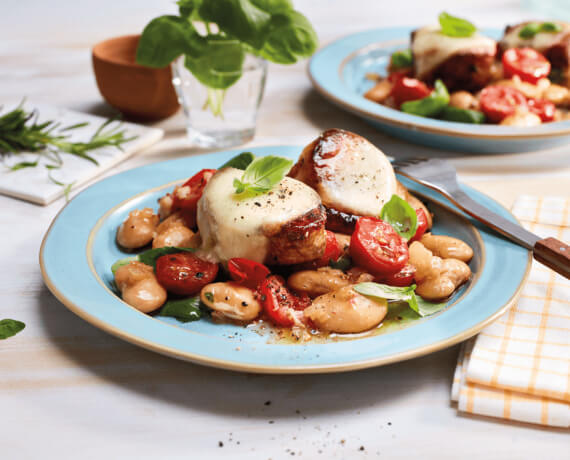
262	174
426	308
184	310
220	64
533	28
383	291
119	263
273	6
188	9
165	38
450	113
10	327
342	263
237	18
431	105
240	161
289	37
401	216
550	27
529	30
401	59
455	27
149	257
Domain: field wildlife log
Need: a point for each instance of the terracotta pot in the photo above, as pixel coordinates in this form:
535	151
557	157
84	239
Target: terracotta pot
136	91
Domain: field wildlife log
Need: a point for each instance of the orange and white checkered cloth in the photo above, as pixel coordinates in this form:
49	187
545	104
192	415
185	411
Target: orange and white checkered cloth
518	368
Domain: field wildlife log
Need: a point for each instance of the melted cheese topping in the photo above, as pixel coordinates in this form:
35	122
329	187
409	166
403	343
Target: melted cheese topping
431	48
233	227
358	181
540	42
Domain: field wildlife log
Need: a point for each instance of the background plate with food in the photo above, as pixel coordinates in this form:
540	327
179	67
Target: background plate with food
81	246
471	93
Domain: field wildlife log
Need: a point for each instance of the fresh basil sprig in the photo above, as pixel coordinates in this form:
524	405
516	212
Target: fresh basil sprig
450	113
184	310
402	294
401	216
262	174
241	161
401	59
431	105
533	28
271	29
10	327
149	257
453	26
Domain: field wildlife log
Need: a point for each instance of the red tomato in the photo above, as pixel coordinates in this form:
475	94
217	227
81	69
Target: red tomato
377	247
332	251
527	63
280	304
185	198
405	277
498	102
422	225
544	109
184	273
247	272
397	74
408	89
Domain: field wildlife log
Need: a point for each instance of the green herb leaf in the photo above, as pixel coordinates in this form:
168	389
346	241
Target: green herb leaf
149	257
23	164
450	113
237	18
529	30
119	263
342	263
426	308
273	6
262	174
533	28
431	105
188	9
383	291
184	310
10	327
401	216
289	37
165	38
241	161
401	59
455	27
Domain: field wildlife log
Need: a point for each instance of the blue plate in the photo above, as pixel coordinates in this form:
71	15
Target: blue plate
79	249
338	72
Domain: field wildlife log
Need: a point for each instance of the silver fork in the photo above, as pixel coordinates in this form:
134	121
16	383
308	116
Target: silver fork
439	175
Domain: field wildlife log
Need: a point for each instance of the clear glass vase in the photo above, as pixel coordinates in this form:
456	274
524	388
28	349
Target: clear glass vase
221	118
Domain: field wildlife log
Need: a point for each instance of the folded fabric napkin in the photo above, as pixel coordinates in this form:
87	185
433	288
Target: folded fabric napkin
518	368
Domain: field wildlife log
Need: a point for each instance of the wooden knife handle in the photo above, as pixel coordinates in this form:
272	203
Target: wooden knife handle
554	254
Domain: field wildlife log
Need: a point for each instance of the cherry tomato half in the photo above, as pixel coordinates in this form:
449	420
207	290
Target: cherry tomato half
281	305
185	198
332	250
376	246
421	227
405	277
498	102
247	272
397	74
544	109
184	273
527	63
408	89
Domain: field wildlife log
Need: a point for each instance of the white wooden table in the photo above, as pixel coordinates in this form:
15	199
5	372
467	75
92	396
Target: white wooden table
69	391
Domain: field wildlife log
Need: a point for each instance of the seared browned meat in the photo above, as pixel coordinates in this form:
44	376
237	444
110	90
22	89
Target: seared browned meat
284	226
462	63
298	240
350	174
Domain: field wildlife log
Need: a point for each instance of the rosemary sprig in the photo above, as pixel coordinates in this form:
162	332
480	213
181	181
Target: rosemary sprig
20	132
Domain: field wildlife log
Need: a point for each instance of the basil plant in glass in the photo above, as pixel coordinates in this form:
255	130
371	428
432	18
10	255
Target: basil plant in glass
219	50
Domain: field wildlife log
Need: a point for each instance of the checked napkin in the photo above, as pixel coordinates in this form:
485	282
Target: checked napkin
518	368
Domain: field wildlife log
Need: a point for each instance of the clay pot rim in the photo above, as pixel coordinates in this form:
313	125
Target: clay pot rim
99	52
